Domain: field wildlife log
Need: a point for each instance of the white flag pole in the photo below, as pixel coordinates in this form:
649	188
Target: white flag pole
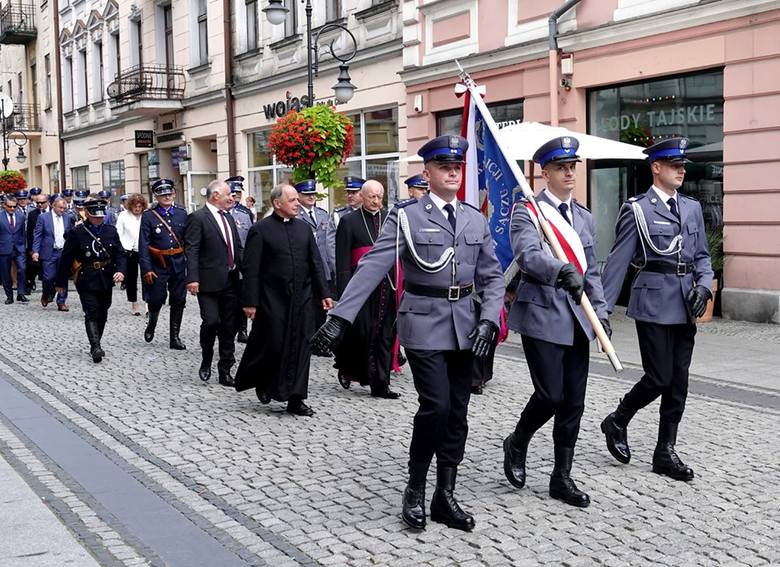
585	303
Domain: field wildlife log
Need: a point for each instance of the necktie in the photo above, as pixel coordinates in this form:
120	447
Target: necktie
313	220
564	208
12	220
228	243
673	207
450	215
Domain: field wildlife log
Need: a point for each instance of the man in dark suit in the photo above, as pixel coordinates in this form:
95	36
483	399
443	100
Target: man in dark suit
12	250
213	250
40	204
48	242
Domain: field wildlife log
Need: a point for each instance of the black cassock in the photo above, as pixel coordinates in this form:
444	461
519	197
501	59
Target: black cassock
282	277
366	353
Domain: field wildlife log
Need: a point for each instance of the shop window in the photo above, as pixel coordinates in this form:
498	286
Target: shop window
643	114
79	178
251	25
114	177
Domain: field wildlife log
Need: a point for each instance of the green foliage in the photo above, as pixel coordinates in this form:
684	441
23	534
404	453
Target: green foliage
715	244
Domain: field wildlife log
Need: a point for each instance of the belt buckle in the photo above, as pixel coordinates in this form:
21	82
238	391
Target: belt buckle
682	269
453	293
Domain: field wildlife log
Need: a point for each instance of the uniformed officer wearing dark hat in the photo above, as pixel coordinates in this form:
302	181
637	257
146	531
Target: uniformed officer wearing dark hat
244	218
317	220
96	247
662	233
77	211
111	212
447	254
162	261
554	329
68	194
417	186
352	187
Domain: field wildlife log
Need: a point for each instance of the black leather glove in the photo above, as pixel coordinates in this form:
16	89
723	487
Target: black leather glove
570	279
607	327
697	300
328	336
484	335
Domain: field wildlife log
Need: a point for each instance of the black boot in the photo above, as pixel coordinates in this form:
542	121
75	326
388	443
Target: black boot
665	459
151	325
562	487
614	427
93	335
413	505
242	336
176	315
515	451
444	507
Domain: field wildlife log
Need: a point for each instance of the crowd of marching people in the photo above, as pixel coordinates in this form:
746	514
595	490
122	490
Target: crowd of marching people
363	281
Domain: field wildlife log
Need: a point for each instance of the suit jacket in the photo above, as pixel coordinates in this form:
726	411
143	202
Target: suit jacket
204	246
32	219
320	230
12	241
432	323
655	297
542	311
43	237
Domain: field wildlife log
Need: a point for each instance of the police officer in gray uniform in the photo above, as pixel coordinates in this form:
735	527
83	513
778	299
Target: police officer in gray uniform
662	234
317	218
554	329
447	254
352	187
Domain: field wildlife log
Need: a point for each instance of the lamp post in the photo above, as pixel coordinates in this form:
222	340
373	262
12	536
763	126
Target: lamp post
276	13
6	111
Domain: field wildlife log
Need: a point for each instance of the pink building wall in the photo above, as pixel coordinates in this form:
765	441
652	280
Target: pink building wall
746	48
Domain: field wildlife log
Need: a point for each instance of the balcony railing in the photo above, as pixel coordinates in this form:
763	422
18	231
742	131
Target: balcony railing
147	82
25	118
17	23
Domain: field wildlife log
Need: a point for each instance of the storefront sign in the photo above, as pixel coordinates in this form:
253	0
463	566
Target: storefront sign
144	138
292	103
693	114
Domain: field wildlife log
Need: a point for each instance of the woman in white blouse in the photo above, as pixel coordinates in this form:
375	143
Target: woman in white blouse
128	225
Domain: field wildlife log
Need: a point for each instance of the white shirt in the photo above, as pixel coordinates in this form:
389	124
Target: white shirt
312	218
129	227
226	236
59	230
439	202
557	202
665	197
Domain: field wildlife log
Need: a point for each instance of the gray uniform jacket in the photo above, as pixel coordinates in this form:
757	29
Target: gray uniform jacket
428	323
320	231
243	222
656	297
330	238
542	311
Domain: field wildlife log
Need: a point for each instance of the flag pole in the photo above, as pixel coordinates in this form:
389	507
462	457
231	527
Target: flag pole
587	307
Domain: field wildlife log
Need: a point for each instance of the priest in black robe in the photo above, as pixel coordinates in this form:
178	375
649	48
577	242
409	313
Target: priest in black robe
283	275
366	353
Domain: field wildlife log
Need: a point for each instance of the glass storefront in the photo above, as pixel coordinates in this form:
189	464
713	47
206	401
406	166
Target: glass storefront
114	177
646	113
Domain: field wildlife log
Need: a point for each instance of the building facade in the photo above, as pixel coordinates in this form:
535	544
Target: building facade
637	71
148	91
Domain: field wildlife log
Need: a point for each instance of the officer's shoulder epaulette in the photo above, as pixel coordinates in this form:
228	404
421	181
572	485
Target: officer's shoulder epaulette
471	206
180	208
637	198
341	209
316	207
405	203
580	205
684	196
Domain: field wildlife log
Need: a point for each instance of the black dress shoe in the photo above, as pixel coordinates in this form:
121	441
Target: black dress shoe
242	337
9	301
204	373
515	451
264	397
344	380
225	379
22	299
299	408
477	390
386	393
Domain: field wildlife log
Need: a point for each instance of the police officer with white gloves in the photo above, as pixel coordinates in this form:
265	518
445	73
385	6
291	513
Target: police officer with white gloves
662	233
447	254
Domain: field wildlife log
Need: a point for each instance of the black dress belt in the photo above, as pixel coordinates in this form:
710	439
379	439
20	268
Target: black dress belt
453	293
674	268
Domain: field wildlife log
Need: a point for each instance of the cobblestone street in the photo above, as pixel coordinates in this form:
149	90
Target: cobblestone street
260	486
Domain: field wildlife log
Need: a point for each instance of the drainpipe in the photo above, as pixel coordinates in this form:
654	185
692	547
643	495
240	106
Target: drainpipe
58	75
553	57
229	103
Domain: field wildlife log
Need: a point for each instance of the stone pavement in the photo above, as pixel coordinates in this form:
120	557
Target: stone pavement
251	485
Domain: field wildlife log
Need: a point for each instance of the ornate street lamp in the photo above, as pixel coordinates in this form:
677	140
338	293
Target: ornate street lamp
276	13
17	136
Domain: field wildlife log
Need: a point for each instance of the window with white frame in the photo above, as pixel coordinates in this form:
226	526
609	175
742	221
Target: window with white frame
98	72
47	69
374	156
203	32
79	178
252	41
84	80
291	21
67	77
114	177
136	44
333	10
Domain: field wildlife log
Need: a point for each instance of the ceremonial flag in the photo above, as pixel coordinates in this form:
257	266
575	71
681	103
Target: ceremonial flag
469	186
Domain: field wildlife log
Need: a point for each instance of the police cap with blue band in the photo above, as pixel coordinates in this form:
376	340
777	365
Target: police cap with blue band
162	187
22	194
352	183
236	183
672	150
445	149
96	207
104	194
67	192
558	150
35	191
307	187
124	197
417	181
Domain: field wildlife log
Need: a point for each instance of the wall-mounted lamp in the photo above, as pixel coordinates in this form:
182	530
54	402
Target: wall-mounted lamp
567	70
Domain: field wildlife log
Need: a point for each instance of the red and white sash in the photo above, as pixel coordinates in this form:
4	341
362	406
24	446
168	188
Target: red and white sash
564	232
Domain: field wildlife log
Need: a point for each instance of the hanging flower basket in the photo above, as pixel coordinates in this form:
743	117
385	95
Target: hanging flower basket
315	142
11	180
